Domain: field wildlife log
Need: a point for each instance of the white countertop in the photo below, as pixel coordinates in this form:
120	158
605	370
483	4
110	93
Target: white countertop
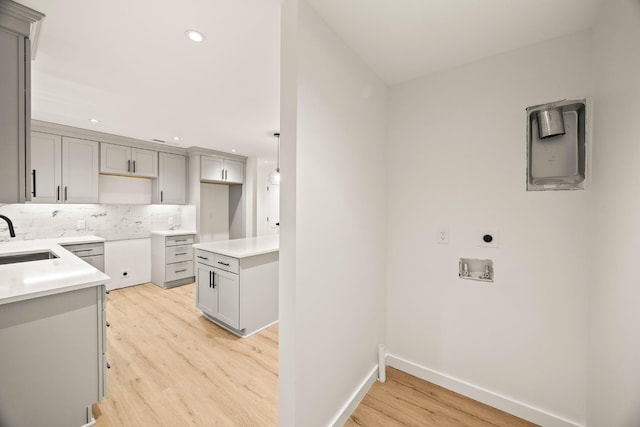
27	280
243	248
173	232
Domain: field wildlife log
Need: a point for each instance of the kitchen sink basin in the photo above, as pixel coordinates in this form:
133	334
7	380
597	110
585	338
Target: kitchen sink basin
26	257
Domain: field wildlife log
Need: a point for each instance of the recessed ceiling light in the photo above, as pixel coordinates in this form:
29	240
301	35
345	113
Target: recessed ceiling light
176	138
233	151
195	36
94	120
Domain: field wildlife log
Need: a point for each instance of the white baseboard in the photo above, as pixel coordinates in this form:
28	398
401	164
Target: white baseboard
487	397
356	398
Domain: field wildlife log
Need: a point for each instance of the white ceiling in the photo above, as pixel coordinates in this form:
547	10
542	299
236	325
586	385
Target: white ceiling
129	64
405	39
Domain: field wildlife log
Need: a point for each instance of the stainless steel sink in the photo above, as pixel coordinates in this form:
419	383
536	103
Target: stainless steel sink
27	257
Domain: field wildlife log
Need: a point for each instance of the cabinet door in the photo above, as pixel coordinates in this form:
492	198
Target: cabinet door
14	93
211	168
79	170
227	286
205	294
144	163
46	162
115	159
172	179
233	171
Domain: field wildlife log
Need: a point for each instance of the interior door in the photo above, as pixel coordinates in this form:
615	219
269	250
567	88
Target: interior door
273	208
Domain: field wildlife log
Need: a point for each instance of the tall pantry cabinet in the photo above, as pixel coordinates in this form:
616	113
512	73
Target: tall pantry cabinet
15	99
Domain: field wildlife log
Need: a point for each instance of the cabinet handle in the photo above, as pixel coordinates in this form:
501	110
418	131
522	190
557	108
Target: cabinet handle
80	251
224	263
182	253
134	166
58	193
225	174
214	279
181	271
65	194
33	174
222	172
128	165
161	196
210	278
202	257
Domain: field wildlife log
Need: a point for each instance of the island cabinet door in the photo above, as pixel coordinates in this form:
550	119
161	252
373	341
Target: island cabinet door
227	286
205	292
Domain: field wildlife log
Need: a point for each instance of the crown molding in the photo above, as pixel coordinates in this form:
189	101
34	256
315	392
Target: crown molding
18	18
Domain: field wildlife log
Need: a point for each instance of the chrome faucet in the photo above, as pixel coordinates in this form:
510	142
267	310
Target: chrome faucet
10	224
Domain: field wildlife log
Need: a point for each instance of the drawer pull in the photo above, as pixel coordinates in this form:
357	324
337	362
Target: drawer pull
202	257
180	240
181	271
183	253
226	264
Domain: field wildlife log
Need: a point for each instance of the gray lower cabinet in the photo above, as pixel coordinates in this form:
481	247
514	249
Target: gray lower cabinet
52	358
239	294
91	253
171	260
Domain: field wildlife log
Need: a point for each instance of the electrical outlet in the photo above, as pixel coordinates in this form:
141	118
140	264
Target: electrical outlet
124	273
82	224
487	238
170	221
442	236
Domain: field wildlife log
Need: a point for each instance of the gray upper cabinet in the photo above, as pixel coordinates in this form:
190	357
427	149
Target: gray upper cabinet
63	169
221	170
15	95
172	179
122	160
46	167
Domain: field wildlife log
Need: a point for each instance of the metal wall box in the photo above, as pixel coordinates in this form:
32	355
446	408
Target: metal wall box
476	269
557	146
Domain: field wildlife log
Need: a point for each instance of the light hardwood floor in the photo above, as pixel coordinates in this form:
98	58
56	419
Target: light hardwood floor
404	400
172	367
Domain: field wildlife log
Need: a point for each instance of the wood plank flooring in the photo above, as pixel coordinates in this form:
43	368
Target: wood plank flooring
405	400
172	367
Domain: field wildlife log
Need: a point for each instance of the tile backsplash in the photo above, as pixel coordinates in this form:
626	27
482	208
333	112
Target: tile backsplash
113	222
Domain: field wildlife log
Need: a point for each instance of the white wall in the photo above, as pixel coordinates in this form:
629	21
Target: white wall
332	250
614	364
214	212
132	256
458	161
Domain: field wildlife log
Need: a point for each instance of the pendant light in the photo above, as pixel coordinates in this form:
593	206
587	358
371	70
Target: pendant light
274	177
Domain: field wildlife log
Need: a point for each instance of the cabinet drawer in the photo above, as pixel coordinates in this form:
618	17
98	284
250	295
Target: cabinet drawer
179	240
204	257
227	263
180	270
85	249
178	254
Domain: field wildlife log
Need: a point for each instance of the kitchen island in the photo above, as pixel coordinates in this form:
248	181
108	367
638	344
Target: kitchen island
237	283
52	334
